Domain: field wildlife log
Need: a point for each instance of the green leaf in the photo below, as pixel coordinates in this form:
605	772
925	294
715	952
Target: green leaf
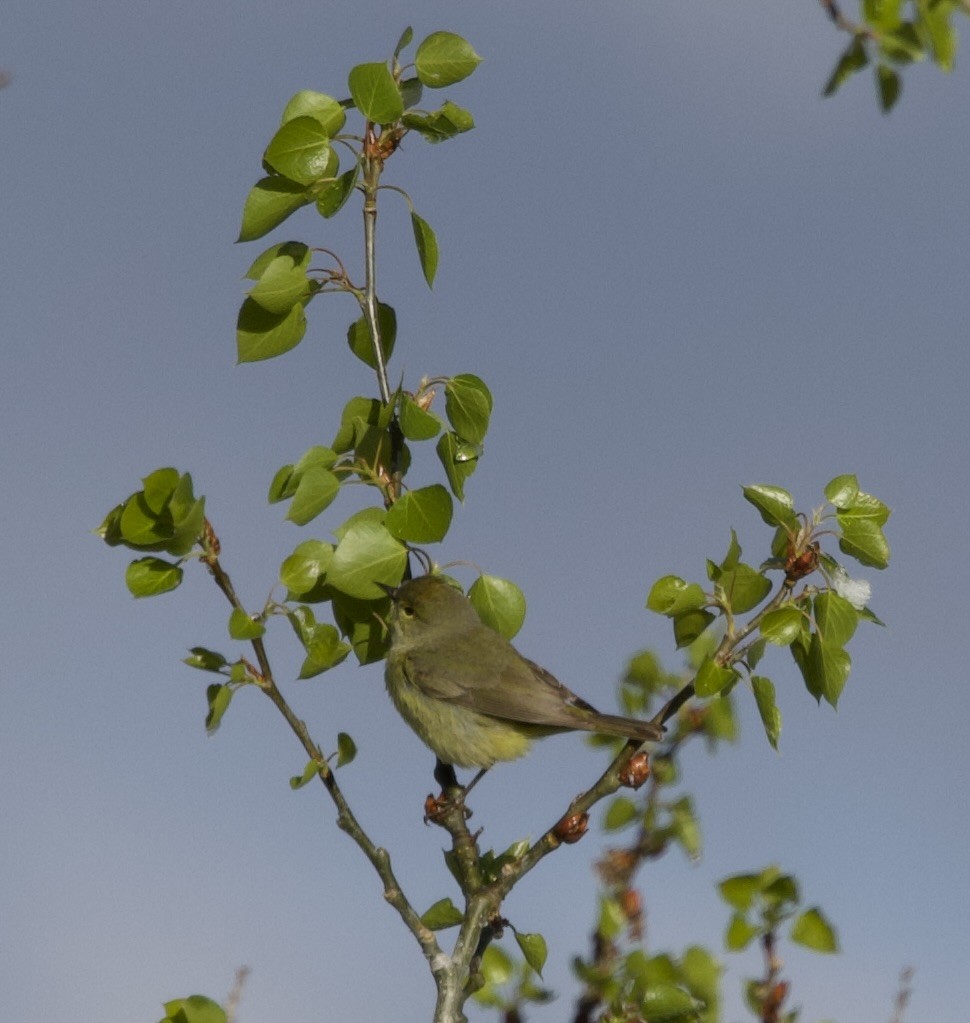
264	335
934	19
442	915
889	85
439	125
417	423
812	930
836	618
310	772
244	626
774	504
902	44
359	335
147	577
853	59
500	604
300	150
427	246
497	967
842	491
764	696
829	667
282	284
325	652
621	812
689	626
324	109
375	93
421	516
346	749
218	697
740	890
672	596
443	59
744	587
333	195
194	1009
739	934
686	829
863	539
298	253
205	660
406	36
269	203
457	469
468	406
711	678
665	1002
361	621
306	566
316	490
534	949
783	625
367	555
882	14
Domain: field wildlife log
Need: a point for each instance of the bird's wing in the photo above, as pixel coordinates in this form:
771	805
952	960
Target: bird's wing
515	689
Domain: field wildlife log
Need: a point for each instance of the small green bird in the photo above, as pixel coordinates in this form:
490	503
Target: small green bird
468	693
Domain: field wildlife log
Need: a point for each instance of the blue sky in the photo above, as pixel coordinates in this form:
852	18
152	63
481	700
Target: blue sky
679	270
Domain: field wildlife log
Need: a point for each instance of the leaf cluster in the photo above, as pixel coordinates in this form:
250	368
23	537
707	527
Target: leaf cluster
892	34
815	620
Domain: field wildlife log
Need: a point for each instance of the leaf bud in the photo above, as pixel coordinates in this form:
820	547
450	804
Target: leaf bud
571	828
636	771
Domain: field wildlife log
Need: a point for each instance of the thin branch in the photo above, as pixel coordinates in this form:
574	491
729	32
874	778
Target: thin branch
346	820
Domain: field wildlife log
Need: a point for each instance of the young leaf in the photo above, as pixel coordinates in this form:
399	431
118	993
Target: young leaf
671	596
304	568
421	516
813	931
300	150
311	770
783	625
194	1009
316	490
499	603
534	949
218	697
375	93
443	59
417	423
427	246
346	749
711	678
244	626
359	336
468	406
457	469
205	660
619	813
281	285
264	335
147	577
442	915
774	504
322	108
764	696
269	203
333	195
367	555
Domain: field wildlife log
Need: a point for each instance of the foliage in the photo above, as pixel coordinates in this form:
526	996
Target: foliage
798	597
890	35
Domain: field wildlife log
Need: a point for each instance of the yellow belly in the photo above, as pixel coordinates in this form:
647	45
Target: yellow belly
458	735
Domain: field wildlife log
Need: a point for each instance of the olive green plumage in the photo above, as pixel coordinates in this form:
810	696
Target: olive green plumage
468	693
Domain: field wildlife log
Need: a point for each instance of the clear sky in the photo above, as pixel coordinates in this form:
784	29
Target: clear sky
679	270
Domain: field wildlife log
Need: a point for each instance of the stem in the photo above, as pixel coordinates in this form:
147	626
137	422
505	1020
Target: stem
372	167
346	820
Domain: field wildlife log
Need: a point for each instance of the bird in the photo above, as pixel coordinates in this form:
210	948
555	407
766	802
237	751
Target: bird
468	693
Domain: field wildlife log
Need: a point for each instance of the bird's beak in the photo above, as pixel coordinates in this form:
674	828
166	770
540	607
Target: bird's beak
391	591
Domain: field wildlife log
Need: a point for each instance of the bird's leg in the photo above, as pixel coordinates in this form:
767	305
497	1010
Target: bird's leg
452	792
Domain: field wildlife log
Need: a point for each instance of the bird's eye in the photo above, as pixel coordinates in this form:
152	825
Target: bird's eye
407	610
